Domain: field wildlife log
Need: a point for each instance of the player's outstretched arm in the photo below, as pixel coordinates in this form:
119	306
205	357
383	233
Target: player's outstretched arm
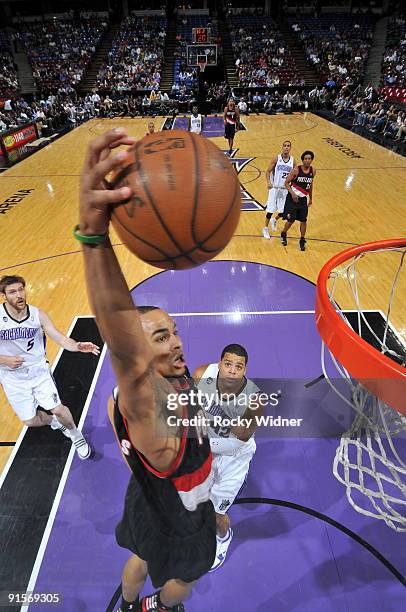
110	299
143	394
67	343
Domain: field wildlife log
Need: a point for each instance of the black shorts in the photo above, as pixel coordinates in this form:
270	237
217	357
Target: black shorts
229	130
295	211
185	558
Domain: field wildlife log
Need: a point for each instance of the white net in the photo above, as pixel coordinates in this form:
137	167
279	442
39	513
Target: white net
370	460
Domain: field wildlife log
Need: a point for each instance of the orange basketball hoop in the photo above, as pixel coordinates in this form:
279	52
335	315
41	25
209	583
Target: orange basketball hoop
380	374
370	460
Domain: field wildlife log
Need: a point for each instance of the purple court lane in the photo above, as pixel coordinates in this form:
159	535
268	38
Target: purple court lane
281	559
213	126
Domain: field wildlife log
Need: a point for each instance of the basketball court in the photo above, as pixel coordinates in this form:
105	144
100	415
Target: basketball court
298	543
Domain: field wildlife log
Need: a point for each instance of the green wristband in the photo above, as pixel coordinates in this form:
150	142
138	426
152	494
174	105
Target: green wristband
88	239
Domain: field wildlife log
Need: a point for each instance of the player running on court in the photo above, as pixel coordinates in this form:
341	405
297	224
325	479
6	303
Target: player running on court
276	174
232	447
299	184
24	370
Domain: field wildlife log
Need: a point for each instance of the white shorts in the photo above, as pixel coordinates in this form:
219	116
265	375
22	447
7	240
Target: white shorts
276	199
27	388
230	473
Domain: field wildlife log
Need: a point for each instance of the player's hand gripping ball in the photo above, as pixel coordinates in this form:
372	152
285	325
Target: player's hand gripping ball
186	200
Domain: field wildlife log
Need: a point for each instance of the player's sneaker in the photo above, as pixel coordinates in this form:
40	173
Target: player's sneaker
129	607
150	604
284	239
265	233
273	224
82	448
302	244
61	428
221	550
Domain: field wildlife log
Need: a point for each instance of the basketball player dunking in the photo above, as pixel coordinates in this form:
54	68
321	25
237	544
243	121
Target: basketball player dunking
299	184
232	447
231	123
24	370
279	168
169	522
195	123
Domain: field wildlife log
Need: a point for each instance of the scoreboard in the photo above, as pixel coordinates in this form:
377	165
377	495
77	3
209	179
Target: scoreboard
201	35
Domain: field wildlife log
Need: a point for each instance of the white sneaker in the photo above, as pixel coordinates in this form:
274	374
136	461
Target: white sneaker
61	428
273	224
82	448
221	550
265	233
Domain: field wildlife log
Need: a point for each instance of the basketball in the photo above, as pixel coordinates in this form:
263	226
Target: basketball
186	200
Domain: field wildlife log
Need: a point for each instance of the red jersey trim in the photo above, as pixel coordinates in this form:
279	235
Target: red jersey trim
300	189
176	462
187	482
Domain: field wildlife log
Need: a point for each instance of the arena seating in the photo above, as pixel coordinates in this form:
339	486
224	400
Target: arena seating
135	59
397	94
60	50
394	60
337	44
8	73
262	58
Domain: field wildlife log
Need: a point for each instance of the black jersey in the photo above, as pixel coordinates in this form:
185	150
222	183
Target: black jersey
301	185
231	116
176	500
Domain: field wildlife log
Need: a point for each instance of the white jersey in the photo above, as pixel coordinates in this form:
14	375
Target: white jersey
219	407
196	124
229	469
22	338
281	171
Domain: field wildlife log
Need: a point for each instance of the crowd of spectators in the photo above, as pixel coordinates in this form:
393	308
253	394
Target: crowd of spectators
63	112
367	109
8	69
216	96
60	50
262	58
273	102
135	60
394	59
50	114
336	45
